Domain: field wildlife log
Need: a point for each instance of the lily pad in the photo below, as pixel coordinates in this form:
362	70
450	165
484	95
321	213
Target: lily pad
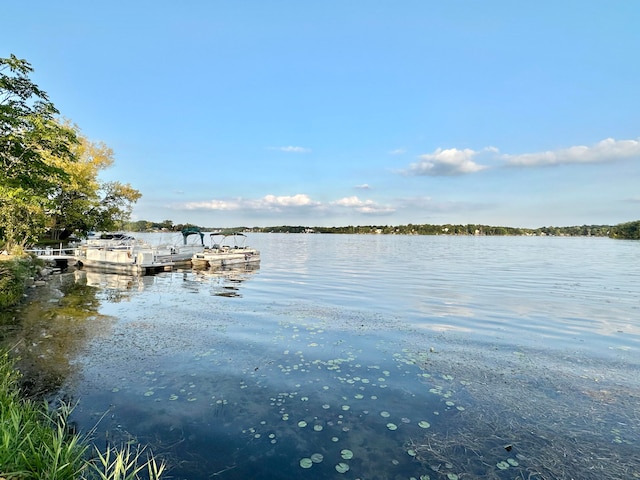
342	467
346	454
306	462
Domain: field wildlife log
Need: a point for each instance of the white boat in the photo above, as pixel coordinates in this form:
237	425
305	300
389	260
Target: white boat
129	258
226	249
123	253
182	253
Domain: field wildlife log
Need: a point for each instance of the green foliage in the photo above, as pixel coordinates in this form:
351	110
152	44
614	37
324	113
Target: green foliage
29	135
447	229
35	442
629	231
27	129
48	171
13	274
84	203
125	464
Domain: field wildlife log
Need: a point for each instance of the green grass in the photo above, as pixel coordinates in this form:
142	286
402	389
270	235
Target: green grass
13	274
35	442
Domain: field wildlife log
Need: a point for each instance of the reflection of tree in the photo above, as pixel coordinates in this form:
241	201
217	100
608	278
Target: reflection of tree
50	329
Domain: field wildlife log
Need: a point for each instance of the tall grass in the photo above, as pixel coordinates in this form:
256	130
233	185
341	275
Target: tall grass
35	442
13	273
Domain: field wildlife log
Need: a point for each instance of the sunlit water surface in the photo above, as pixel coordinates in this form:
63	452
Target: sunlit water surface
350	356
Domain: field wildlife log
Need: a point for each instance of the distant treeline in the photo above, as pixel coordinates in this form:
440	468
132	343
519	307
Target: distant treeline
630	230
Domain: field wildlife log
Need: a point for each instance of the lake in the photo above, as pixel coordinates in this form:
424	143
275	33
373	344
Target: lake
356	357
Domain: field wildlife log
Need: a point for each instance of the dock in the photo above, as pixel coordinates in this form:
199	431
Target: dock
61	256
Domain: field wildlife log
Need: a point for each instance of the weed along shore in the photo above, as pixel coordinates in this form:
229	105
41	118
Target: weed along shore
17	274
37	439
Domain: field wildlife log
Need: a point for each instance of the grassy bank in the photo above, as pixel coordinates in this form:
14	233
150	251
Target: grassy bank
14	272
36	442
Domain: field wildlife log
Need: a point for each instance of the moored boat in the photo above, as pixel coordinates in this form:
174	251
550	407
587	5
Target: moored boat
119	252
226	249
131	258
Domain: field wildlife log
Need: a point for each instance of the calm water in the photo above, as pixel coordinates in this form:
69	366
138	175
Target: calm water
364	357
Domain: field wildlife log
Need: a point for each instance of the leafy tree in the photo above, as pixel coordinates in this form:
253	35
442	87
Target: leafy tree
629	231
48	170
84	203
28	134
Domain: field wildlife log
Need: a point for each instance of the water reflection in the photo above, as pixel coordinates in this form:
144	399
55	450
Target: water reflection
221	281
54	325
331	357
113	287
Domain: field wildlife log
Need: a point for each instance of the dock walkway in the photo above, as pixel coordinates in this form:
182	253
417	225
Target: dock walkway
62	256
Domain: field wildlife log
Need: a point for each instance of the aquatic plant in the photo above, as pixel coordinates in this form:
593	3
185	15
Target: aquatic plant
34	442
125	464
37	442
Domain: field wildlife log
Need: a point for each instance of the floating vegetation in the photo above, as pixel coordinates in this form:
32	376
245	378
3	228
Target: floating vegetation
307	369
346	454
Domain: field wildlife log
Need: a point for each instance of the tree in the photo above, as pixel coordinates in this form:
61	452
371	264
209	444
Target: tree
48	170
629	231
83	203
28	134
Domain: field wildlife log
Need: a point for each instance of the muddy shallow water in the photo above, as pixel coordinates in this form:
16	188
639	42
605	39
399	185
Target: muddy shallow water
357	357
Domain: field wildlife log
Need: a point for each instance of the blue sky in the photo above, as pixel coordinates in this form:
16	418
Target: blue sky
354	112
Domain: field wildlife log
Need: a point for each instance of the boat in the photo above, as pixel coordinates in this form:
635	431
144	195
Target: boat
126	255
183	253
228	248
123	253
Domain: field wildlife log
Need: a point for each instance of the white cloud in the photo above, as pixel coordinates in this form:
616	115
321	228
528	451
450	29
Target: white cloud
292	149
446	163
272	201
363	206
607	150
398	151
364	186
213	205
268	202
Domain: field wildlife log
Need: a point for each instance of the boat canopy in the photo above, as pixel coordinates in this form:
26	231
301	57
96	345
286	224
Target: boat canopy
192	231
